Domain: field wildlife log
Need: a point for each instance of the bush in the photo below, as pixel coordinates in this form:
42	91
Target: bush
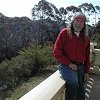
28	63
7	76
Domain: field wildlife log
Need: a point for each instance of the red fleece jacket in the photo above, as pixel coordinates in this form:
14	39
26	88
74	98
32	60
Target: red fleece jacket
70	48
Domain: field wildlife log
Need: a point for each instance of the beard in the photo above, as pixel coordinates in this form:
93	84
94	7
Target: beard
77	28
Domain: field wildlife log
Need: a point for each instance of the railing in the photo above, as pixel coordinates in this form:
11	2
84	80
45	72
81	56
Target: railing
96	69
53	88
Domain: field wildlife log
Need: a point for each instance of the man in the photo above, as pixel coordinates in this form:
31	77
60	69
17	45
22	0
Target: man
72	51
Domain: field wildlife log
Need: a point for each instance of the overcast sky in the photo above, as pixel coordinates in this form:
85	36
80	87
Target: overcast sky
19	8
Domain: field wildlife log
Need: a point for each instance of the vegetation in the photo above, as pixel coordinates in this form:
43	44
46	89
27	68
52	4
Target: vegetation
19	32
93	58
44	10
26	45
26	86
26	65
96	36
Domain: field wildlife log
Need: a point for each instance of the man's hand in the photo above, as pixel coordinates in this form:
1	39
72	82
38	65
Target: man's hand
86	76
73	66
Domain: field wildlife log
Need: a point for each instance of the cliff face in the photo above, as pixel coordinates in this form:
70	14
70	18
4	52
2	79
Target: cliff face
19	32
15	33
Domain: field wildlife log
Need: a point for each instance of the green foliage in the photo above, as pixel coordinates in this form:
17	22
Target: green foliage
35	56
7	76
93	58
28	63
96	38
96	35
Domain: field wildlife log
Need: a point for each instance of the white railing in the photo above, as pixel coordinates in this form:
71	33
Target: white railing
53	88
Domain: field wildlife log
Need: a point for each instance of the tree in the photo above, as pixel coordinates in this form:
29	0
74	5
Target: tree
44	10
88	10
98	11
63	13
70	11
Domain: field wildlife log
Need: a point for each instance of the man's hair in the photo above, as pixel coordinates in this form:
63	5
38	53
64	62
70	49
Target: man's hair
80	15
82	31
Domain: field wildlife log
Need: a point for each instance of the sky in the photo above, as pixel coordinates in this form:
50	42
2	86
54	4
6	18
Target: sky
20	8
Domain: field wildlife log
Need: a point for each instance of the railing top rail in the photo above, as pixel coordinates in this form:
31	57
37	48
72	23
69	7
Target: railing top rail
46	89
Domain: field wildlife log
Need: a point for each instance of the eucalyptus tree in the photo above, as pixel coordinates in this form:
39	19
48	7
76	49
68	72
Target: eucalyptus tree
63	13
71	10
45	10
84	7
64	20
91	12
98	11
88	10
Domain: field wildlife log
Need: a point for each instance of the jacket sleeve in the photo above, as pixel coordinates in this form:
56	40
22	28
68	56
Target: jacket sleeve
58	50
87	54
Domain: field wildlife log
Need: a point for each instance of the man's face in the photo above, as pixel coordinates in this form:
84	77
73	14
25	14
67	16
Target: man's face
78	24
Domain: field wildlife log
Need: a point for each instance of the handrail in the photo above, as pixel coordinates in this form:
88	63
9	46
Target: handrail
49	89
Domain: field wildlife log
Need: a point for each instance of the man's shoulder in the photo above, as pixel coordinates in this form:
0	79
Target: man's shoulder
64	30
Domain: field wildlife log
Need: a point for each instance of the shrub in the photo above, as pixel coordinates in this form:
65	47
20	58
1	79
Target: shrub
28	63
